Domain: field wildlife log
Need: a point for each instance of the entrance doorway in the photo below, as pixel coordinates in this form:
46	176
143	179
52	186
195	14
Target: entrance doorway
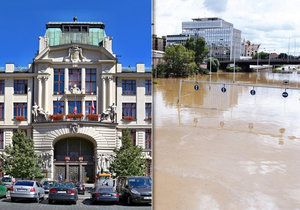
74	160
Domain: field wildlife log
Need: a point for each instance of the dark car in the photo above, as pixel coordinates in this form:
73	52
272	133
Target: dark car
63	191
135	189
47	185
105	194
80	188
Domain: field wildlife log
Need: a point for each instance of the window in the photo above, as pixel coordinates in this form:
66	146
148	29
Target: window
129	110
20	86
148	87
90	107
59	83
58	107
148	110
1	111
2	85
74	107
74	78
1	139
128	87
20	110
90	81
148	140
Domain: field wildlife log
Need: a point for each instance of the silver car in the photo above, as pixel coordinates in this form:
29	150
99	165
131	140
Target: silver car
27	189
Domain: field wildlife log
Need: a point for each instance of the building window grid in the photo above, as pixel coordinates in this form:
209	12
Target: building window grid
74	78
128	87
20	110
129	110
89	109
1	139
90	81
20	86
59	83
148	87
148	110
72	105
1	111
2	86
58	107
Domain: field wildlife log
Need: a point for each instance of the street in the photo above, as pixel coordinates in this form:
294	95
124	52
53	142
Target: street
83	203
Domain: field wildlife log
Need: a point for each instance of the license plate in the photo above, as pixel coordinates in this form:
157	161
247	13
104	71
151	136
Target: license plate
148	198
106	195
61	191
21	190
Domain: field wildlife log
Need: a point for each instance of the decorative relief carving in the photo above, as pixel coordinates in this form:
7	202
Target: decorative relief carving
75	90
75	55
74	127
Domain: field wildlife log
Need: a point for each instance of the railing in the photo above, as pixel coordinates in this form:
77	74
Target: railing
78	117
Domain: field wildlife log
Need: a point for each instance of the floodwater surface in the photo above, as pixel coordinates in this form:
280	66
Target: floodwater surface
227	150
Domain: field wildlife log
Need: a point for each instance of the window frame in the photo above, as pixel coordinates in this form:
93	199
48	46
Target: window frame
91	81
60	83
129	87
23	108
132	111
18	83
148	87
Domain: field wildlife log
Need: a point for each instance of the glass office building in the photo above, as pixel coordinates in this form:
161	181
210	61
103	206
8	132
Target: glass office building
222	38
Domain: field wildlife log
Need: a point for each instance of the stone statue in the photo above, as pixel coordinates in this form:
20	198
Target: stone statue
39	115
46	160
112	112
74	127
75	55
75	90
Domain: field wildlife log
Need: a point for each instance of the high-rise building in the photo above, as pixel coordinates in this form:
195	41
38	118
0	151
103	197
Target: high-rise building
221	37
74	101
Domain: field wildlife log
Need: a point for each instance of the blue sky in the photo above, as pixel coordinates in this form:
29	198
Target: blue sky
127	21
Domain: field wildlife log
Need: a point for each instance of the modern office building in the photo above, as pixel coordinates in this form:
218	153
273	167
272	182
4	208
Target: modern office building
74	100
222	38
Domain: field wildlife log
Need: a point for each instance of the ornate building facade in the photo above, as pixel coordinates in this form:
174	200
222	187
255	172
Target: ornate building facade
74	100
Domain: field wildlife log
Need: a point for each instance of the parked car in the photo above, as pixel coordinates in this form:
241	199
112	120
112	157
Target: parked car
3	190
27	189
63	191
80	188
135	189
7	181
104	194
47	185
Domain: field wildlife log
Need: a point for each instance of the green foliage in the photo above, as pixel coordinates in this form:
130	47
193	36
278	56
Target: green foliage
262	55
128	160
19	159
231	69
214	64
179	62
197	45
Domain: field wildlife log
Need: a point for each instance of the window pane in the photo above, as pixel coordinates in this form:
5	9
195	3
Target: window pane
128	87
20	86
74	107
59	83
74	78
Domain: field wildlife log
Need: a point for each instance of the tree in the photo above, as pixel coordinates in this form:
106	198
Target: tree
197	45
178	62
214	64
262	55
128	160
19	159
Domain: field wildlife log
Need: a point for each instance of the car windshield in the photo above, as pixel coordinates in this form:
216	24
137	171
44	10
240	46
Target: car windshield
6	179
49	183
105	190
24	183
64	185
139	182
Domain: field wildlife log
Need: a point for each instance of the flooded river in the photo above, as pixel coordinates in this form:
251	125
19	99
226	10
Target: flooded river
227	150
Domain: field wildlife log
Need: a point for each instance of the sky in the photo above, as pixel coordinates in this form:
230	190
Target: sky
127	21
272	23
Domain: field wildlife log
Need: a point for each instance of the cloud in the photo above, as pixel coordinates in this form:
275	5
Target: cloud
216	5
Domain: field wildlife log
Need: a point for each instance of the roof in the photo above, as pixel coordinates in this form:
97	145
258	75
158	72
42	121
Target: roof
90	24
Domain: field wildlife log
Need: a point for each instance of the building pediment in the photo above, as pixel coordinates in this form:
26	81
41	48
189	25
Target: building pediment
74	54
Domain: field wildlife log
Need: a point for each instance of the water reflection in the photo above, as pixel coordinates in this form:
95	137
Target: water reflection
231	150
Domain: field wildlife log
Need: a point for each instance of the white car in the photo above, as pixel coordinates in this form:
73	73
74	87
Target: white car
27	189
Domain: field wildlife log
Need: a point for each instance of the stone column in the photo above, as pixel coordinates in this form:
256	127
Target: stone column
66	106
66	80
103	94
40	91
46	97
51	172
83	80
109	91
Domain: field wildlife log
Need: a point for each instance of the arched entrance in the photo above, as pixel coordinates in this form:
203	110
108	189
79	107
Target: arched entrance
74	160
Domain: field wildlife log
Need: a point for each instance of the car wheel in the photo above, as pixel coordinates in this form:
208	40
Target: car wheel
50	201
74	202
37	200
12	199
129	200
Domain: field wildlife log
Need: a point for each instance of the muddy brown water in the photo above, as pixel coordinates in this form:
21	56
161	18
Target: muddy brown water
229	150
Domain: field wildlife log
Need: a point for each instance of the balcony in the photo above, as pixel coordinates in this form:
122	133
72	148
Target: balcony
77	117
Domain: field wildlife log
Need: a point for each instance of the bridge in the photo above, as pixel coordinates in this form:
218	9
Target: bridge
245	64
